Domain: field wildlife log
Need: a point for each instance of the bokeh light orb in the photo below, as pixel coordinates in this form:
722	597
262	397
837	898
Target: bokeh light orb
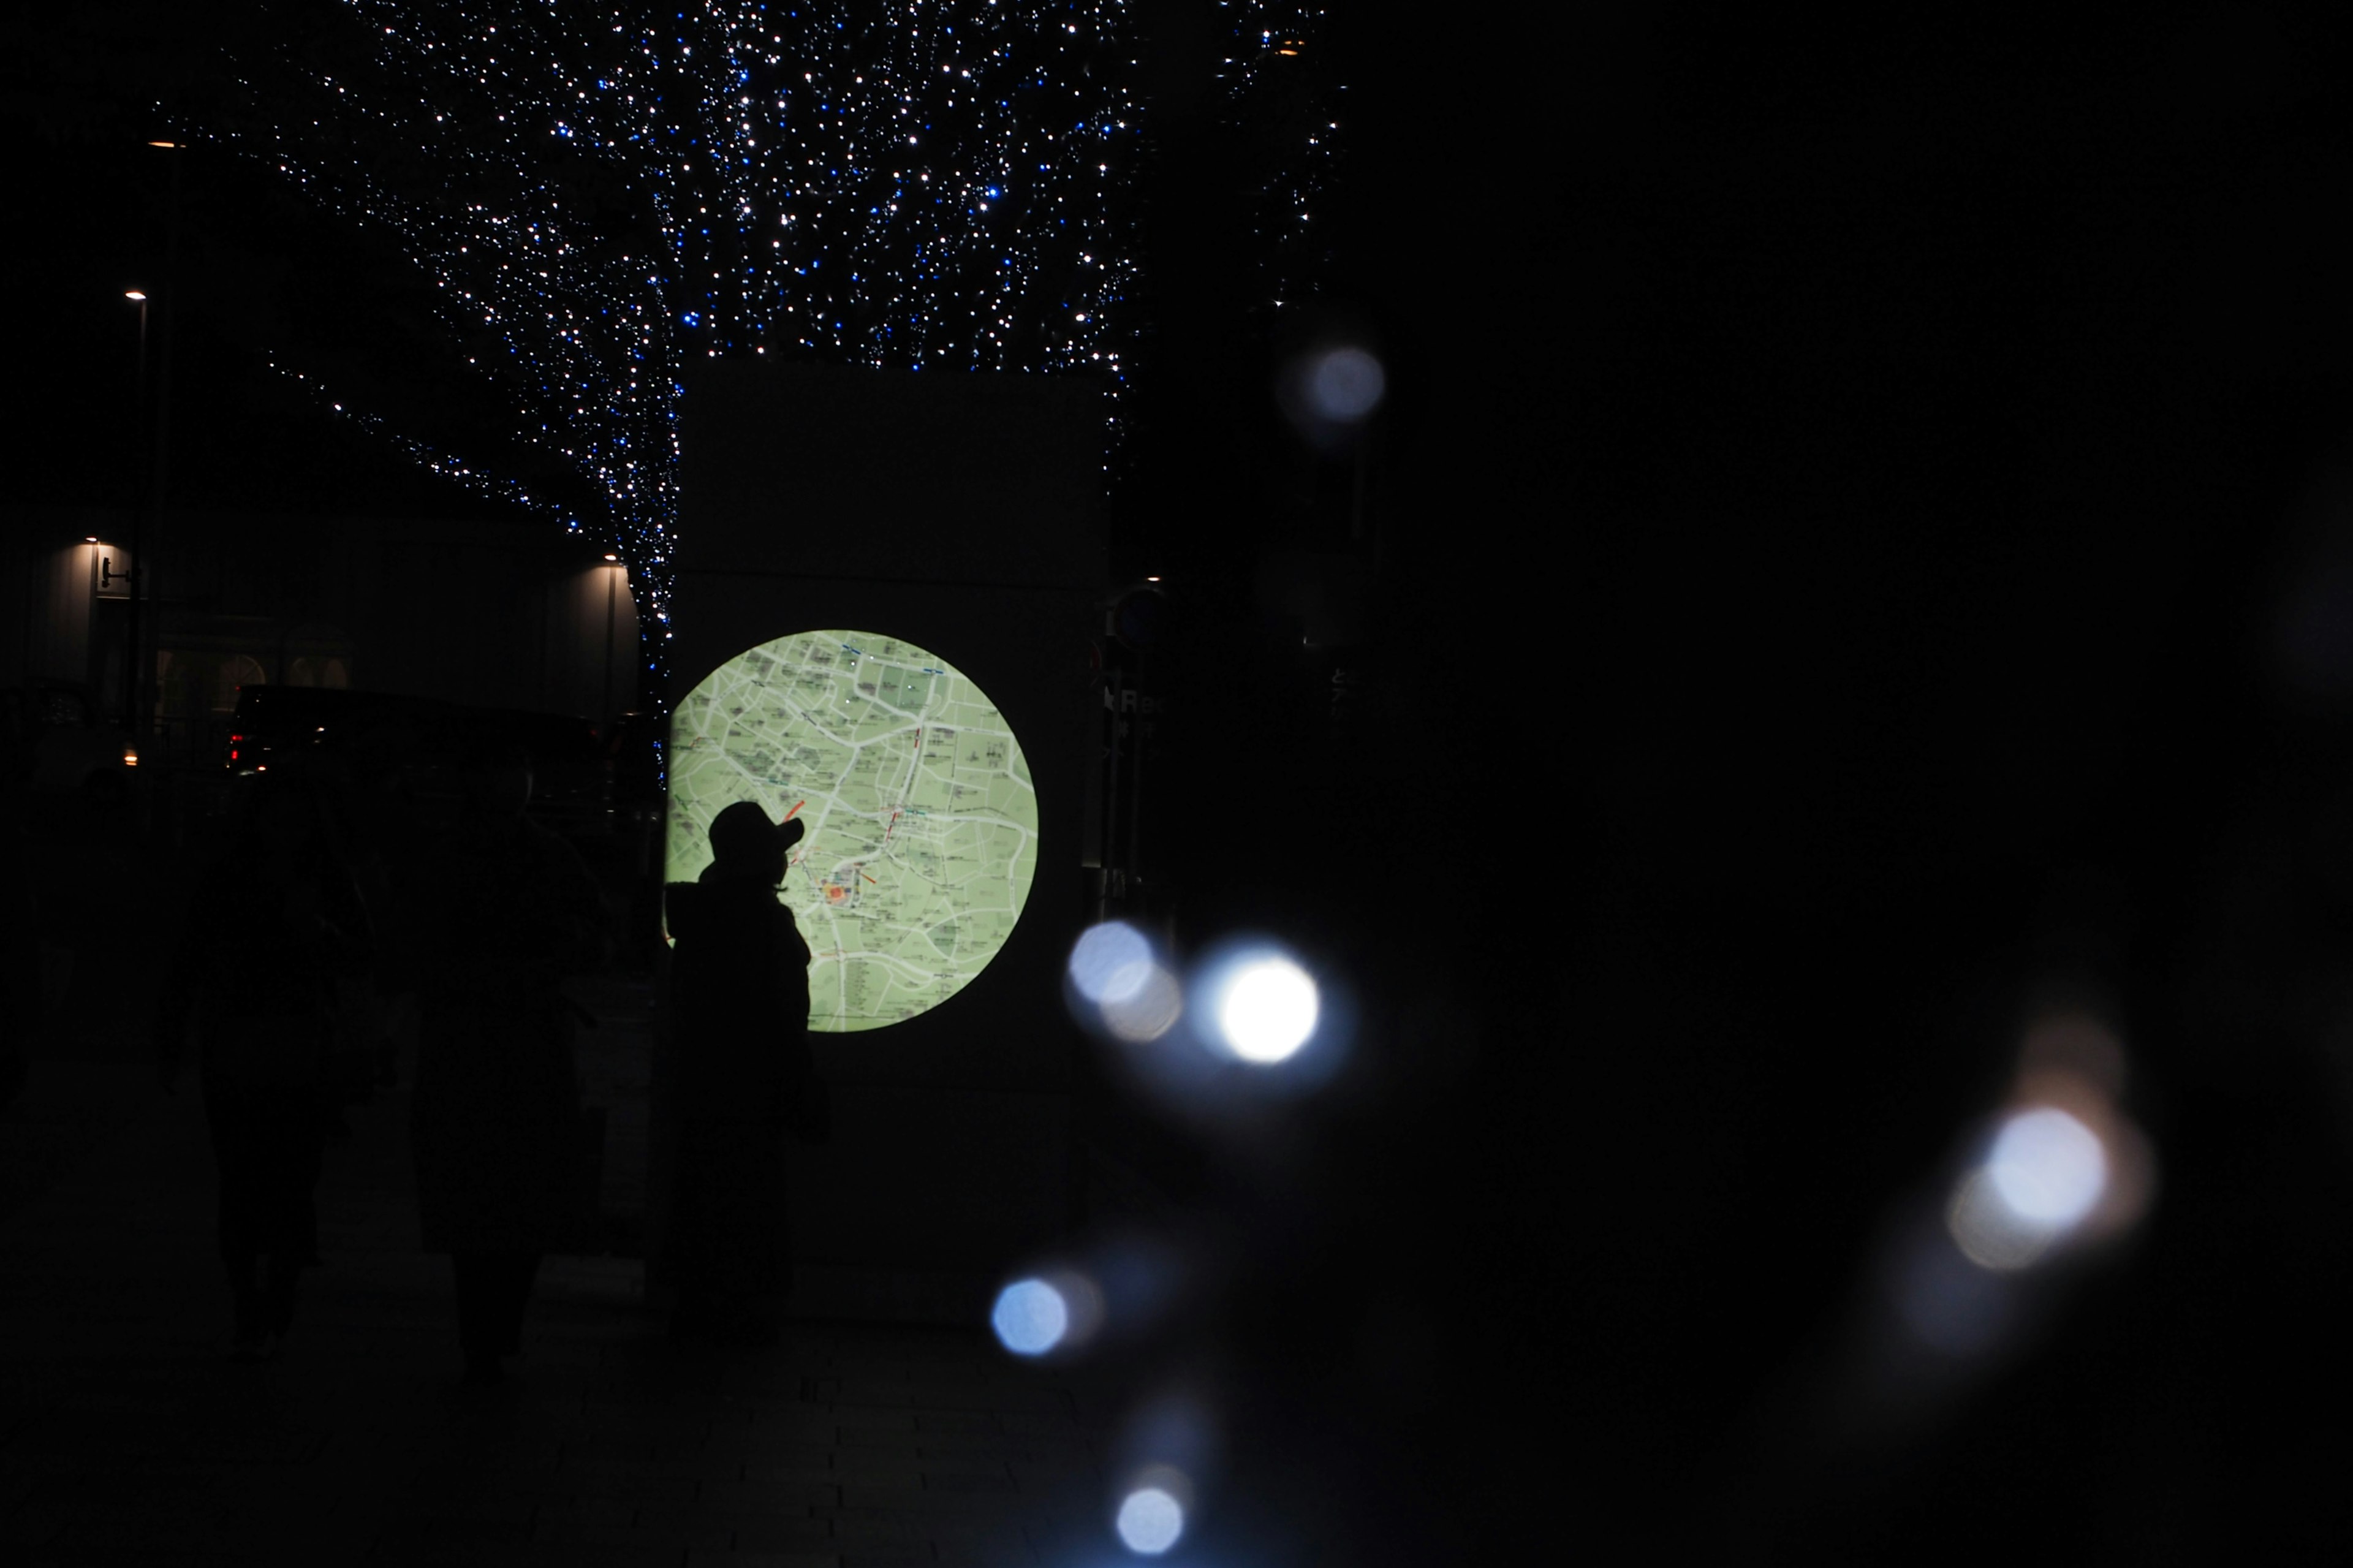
1110	962
1265	1006
1988	1232
1344	385
1150	1520
1030	1317
1148	1012
2047	1167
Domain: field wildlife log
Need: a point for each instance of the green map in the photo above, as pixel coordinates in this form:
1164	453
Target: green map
923	822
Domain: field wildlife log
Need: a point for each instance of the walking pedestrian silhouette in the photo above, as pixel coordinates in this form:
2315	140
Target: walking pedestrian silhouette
272	923
497	912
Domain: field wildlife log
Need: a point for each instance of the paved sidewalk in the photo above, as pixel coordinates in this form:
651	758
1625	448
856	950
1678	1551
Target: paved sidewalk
125	1434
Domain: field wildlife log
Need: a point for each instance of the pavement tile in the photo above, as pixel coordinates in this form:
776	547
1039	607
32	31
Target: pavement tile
623	1427
430	1531
967	1446
873	1418
1042	1449
793	1494
679	1531
620	1551
938	1463
1059	1469
918	1499
1041	1424
781	1451
931	1419
792	1412
694	1467
761	1559
879	1439
753	1534
988	1397
975	1536
646	1491
888	1526
868	1464
588	1514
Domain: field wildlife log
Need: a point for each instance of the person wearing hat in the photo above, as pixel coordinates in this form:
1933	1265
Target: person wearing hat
739	1036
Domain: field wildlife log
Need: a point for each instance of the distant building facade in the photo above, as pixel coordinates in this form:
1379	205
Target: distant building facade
513	617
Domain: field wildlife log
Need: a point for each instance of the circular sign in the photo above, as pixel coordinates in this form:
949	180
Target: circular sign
921	835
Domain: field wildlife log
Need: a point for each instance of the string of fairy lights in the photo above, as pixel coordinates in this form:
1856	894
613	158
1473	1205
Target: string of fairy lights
1269	80
598	194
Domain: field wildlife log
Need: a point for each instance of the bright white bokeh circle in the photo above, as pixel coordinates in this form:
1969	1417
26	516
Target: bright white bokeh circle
2048	1167
1030	1317
1266	1008
1150	1520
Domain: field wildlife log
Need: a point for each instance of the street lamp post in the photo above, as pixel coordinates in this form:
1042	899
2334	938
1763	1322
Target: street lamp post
138	560
139	298
612	598
147	525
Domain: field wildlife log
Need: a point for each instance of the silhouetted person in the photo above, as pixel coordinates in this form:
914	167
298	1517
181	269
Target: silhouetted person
272	924
497	912
740	1004
24	993
384	835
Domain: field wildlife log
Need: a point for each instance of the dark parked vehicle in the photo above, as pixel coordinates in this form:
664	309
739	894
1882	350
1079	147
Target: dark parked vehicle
572	758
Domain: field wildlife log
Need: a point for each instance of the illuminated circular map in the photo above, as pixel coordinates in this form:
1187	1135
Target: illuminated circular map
923	822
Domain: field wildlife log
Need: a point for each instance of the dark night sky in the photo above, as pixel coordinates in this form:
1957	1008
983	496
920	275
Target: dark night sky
1837	482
